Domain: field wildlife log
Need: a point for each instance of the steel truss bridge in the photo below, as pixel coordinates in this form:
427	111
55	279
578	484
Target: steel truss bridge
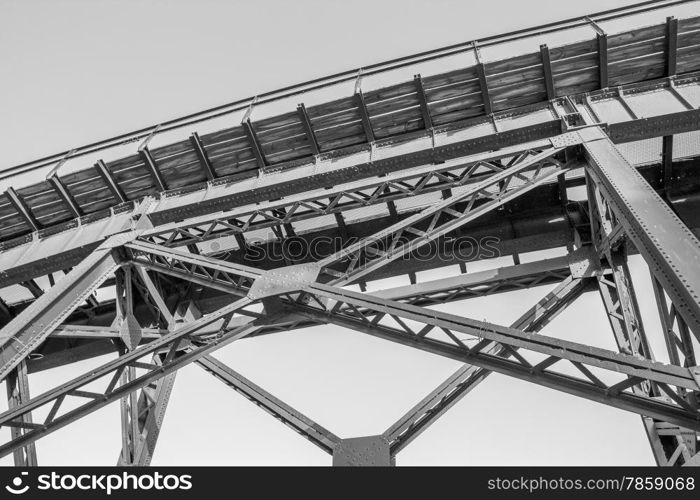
495	150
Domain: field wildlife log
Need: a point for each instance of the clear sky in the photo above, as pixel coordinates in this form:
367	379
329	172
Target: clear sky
78	71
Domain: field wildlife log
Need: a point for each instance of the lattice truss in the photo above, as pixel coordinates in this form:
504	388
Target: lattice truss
419	186
163	271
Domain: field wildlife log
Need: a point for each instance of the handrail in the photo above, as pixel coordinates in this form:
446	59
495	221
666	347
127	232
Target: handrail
344	76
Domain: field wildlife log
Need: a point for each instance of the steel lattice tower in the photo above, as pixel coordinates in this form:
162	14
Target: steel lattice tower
487	153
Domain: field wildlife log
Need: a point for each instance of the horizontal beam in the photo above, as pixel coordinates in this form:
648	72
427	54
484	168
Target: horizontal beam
589	386
654	126
480	283
563	349
237	194
99	332
369	254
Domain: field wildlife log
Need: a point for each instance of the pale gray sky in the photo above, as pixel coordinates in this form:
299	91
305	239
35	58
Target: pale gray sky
79	71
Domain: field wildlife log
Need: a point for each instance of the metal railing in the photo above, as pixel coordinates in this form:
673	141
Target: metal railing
345	76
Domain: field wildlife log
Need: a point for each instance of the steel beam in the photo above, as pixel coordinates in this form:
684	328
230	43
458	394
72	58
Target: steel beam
671	45
169	345
650	224
98	332
34	324
547	72
345	308
602	40
202	157
159	213
317	434
667	165
17	384
149	411
369	254
152	168
364	116
466	378
254	143
112	185
308	128
68	200
341	197
483	82
479	284
423	102
22	209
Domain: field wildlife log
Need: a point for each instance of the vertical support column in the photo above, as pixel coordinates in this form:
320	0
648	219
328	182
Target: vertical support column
129	418
147	414
130	334
602	39
547	72
483	82
142	412
676	334
18	393
602	59
670	444
670	249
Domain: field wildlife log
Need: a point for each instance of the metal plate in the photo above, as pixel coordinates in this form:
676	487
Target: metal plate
368	451
287	279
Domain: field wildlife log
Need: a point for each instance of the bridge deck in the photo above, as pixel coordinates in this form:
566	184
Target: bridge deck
345	125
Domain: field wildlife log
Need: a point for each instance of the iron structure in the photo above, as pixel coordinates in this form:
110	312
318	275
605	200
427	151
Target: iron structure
268	226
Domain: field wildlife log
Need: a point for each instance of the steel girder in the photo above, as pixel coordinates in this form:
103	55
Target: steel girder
439	401
317	434
68	243
339	198
524	355
466	378
18	394
142	427
218	274
391	320
619	300
680	445
481	284
241	278
142	413
361	258
31	327
670	249
623	205
169	345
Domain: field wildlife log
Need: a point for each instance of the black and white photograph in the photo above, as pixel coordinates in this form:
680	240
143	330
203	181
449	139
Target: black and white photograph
319	235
